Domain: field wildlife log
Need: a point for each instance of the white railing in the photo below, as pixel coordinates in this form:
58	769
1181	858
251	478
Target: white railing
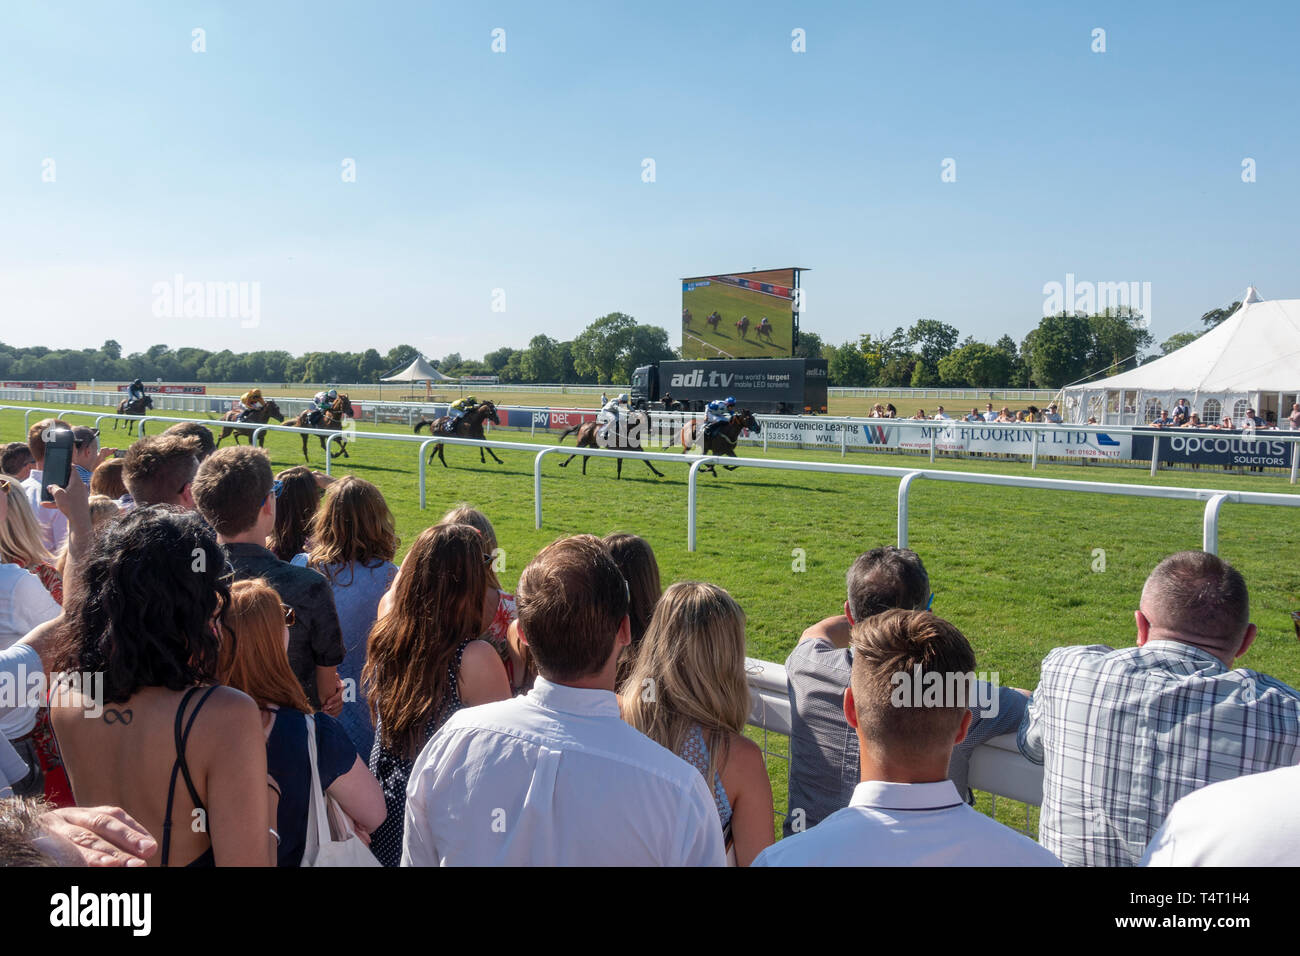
1214	499
907	476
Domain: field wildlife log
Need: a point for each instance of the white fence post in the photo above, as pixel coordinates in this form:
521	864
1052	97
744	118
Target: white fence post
1210	535
691	482
1155	455
904	489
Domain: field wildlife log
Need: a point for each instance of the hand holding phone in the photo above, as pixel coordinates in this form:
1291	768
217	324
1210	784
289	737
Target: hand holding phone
58	459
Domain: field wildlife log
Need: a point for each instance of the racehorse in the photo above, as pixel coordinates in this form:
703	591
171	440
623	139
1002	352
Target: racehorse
742	325
469	425
333	421
261	416
764	330
723	440
713	320
625	438
139	407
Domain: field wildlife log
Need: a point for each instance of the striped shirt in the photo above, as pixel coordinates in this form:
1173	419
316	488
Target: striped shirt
1122	735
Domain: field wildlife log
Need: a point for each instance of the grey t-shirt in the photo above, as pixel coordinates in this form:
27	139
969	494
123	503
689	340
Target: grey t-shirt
824	748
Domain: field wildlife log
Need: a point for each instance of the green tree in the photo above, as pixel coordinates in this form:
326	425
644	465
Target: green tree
540	362
1177	341
975	365
1215	316
643	345
599	349
1057	352
810	346
1118	338
931	340
112	349
847	366
497	360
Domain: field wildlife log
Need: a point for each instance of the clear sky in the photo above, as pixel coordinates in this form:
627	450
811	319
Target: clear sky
523	170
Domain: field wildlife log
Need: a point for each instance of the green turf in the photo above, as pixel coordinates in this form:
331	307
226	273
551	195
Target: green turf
1013	568
732	302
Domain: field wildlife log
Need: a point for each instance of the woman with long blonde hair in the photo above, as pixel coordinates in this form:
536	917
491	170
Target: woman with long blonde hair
255	659
424	662
688	692
20	541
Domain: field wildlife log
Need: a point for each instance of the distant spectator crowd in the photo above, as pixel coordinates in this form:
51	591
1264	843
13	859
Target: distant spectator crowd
223	644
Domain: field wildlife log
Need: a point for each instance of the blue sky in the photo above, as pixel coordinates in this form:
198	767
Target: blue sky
522	170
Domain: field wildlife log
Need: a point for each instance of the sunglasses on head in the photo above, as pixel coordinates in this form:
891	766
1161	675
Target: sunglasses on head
94	437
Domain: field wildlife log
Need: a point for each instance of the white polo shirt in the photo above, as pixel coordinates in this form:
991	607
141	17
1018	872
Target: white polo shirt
53	522
1246	821
907	824
555	778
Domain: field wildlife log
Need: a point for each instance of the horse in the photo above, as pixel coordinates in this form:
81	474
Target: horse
469	425
764	330
713	320
723	440
626	438
742	325
334	415
138	407
261	416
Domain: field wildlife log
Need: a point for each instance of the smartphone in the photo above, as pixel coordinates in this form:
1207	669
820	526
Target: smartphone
58	460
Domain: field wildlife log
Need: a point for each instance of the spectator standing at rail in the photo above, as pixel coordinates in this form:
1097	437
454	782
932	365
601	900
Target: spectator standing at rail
86	453
1182	412
557	777
1294	417
636	562
234	492
974	416
940	415
823	757
1052	415
905	811
989	414
1174	715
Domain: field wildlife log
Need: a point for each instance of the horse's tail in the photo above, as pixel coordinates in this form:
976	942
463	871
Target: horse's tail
422	423
567	432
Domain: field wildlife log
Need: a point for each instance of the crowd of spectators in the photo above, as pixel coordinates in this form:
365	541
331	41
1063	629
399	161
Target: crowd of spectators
256	649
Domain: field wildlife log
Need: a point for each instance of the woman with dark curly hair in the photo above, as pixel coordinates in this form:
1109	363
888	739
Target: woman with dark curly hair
155	733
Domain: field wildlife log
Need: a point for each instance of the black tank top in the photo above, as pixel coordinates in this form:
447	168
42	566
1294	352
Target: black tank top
205	858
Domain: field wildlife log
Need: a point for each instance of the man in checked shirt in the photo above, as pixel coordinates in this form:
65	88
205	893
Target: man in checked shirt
1123	734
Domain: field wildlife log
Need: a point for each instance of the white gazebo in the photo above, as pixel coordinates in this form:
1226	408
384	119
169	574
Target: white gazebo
1249	360
420	371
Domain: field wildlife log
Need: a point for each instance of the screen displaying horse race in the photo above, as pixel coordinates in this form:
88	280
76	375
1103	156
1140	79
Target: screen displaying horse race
739	315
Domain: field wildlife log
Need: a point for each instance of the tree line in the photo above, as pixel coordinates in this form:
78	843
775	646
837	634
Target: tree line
1061	349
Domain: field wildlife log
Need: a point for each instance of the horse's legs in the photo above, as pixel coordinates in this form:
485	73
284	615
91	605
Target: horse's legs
569	459
442	454
482	458
494	457
304	448
619	474
650	465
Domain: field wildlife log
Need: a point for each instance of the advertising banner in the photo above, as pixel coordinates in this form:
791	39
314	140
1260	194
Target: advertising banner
1058	442
170	389
1213	447
70	386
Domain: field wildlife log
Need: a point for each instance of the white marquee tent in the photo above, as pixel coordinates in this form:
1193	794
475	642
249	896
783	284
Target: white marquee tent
1249	360
420	371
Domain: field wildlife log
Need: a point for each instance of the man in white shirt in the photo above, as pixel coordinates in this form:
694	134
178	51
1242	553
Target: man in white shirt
1246	821
940	415
557	778
989	414
54	524
907	702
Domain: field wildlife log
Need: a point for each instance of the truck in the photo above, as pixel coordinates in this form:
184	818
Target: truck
793	386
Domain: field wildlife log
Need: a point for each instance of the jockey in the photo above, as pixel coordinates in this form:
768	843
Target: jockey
135	391
322	402
608	415
717	413
764	324
457	411
253	402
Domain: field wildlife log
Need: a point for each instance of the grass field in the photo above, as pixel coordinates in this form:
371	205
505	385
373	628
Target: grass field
732	302
1013	568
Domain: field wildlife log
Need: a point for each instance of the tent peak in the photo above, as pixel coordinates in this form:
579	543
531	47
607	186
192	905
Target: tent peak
1252	295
